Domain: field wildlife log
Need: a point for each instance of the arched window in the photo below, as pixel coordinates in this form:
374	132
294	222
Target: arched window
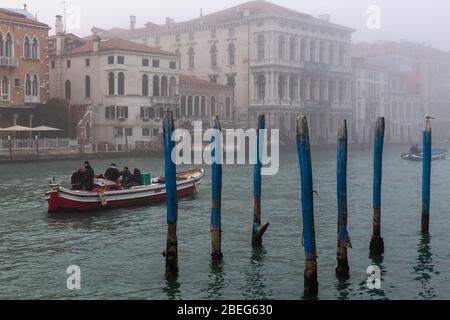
35	49
121	84
281	84
228	107
293	88
156	86
191	55
164	89
302	50
68	89
28	85
261	87
322	52
312	51
8	45
341	55
213	56
35	86
27	48
197	106
5	89
145	85
231	54
261	44
172	87
190	112
203	107
281	47
183	106
151	113
87	87
2	46
331	53
213	112
111	84
293	49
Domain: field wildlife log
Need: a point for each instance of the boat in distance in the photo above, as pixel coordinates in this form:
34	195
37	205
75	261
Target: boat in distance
108	195
436	154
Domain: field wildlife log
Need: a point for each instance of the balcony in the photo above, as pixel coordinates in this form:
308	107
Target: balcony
315	67
9	62
315	105
165	101
32	99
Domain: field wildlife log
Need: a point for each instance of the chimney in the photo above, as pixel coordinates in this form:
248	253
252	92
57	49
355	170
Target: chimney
25	7
96	42
59	25
132	22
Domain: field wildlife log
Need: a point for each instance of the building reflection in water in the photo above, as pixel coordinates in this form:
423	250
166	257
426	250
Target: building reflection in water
172	289
216	281
425	267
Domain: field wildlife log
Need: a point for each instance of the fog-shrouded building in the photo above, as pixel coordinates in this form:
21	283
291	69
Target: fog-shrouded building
23	66
419	83
279	62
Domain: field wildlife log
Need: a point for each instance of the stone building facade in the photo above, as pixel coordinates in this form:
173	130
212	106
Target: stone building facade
278	61
24	81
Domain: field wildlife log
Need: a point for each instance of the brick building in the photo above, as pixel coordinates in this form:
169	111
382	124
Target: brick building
23	66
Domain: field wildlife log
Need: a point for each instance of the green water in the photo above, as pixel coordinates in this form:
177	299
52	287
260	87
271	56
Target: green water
119	251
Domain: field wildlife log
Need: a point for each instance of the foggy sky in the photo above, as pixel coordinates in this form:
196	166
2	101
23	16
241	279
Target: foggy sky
422	21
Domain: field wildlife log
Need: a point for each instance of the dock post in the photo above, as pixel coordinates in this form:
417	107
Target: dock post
426	177
216	209
307	195
377	243
258	229
171	253
343	243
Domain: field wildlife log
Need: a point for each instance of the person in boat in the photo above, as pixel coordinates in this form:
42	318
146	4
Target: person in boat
77	180
112	173
88	177
135	179
415	150
125	175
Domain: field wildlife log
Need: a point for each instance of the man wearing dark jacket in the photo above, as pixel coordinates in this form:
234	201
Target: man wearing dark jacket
88	177
112	173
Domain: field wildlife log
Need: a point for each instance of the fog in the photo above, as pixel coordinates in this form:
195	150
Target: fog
414	20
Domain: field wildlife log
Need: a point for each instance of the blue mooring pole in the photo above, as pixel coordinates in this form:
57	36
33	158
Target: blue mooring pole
258	229
216	218
377	243
426	177
171	253
342	269
307	200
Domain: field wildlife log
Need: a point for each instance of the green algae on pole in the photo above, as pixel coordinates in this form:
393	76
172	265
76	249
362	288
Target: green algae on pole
307	202
377	243
216	209
171	253
426	177
342	270
258	229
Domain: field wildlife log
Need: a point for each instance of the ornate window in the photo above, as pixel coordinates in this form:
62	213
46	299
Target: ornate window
8	45
156	86
261	87
231	54
293	49
121	84
261	44
213	56
191	55
281	47
111	84
5	89
35	48
27	48
87	87
164	86
145	85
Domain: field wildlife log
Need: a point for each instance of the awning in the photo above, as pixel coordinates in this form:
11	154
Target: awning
45	128
17	129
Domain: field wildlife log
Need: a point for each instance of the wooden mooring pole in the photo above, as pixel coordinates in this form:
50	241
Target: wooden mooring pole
343	242
307	195
171	253
377	243
216	218
426	177
258	229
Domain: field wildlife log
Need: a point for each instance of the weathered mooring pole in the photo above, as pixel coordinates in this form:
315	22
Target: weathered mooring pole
258	229
426	177
216	209
377	243
171	253
307	194
342	269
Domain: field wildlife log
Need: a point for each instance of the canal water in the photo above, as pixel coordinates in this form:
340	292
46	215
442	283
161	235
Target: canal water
119	251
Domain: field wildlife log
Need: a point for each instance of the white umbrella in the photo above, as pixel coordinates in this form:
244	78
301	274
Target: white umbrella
17	129
45	128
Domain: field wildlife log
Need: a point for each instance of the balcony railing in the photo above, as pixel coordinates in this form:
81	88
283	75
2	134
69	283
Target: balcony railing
165	101
32	99
9	61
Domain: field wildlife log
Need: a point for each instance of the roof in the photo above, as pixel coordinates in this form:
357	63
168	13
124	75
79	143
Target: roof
236	13
192	80
118	44
18	17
